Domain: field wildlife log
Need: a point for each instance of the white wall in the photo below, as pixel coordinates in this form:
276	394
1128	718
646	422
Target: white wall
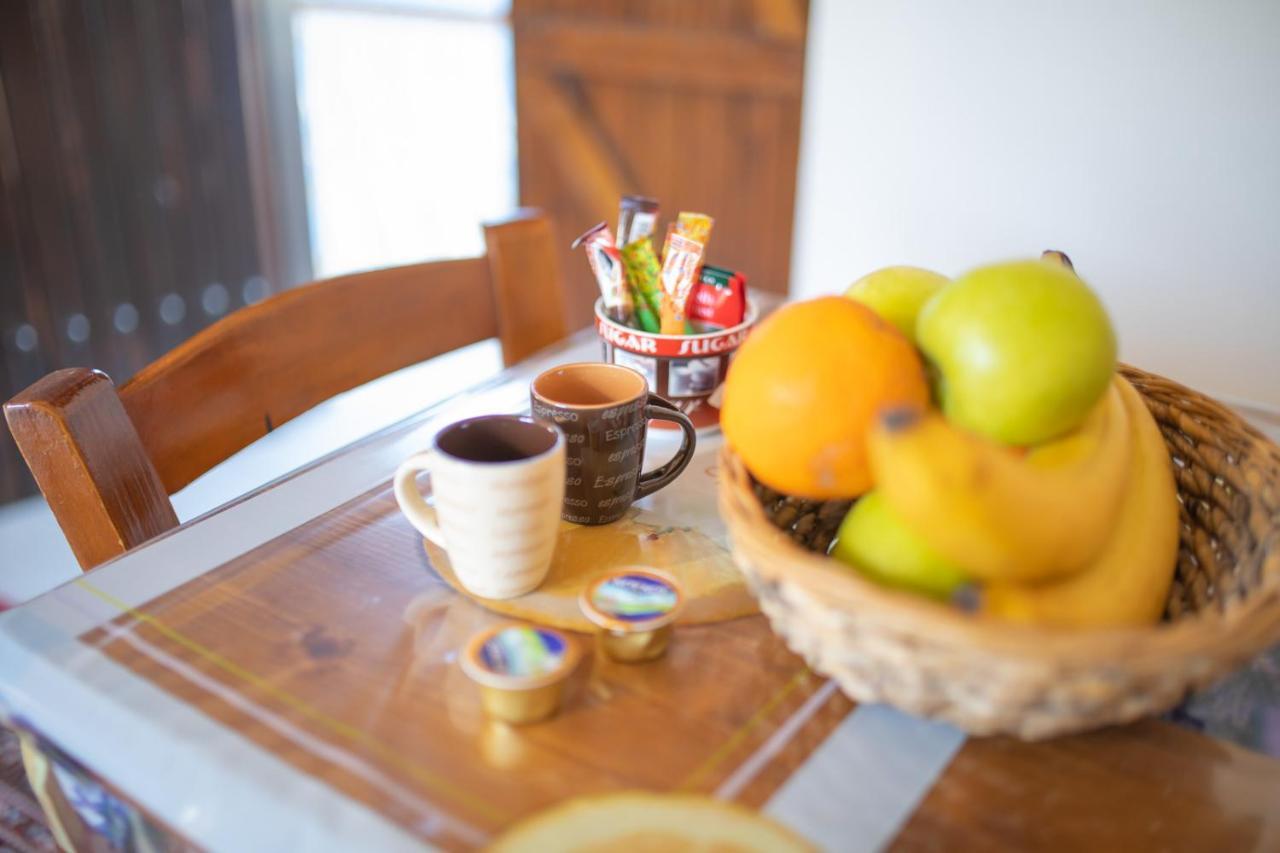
1141	137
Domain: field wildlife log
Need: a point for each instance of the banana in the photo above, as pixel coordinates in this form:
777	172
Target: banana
996	512
1128	582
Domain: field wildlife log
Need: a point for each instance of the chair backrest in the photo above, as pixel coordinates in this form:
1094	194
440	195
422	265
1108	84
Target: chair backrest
107	460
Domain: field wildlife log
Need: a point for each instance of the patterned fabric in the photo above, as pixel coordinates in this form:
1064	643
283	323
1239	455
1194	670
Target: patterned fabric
22	824
1243	708
81	812
49	802
102	813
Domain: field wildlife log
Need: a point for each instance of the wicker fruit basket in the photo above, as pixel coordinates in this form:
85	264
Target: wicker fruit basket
988	677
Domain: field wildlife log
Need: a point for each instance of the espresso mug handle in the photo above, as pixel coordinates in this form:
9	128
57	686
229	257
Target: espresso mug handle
663	410
420	514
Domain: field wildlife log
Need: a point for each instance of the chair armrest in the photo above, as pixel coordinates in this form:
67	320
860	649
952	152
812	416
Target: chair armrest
90	464
525	277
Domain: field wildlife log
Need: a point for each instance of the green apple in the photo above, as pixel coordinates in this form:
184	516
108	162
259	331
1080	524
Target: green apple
897	294
1021	351
877	542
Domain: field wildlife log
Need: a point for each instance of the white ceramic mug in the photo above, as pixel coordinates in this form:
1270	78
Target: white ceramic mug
498	482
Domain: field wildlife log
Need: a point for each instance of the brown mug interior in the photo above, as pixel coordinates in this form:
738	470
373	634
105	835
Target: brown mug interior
589	385
496	438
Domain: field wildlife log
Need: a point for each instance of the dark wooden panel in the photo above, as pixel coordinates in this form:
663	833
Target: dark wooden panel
695	103
39	229
124	174
22	366
51	267
99	207
227	177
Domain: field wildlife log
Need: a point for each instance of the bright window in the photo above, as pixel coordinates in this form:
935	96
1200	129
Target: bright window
407	113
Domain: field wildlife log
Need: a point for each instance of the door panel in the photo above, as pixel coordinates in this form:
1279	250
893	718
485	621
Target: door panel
697	104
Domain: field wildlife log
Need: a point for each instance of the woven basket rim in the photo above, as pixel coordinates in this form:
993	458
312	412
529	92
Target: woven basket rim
1246	624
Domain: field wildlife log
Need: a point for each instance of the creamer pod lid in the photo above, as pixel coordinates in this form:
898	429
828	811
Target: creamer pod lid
519	657
632	599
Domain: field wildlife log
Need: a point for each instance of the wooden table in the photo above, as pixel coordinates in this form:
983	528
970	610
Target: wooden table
282	674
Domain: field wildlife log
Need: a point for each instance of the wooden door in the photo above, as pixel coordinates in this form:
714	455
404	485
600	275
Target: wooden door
696	103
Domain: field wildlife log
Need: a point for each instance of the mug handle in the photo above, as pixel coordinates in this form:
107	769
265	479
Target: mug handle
420	514
663	410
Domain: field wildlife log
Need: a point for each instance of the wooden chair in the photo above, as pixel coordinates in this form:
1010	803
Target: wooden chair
107	459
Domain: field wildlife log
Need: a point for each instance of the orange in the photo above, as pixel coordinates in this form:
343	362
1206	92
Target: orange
806	387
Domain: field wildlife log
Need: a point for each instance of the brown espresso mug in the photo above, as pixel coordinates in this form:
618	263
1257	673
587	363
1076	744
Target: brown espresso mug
604	410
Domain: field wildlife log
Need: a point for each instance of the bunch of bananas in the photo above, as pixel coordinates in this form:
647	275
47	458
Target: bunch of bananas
1081	531
1077	531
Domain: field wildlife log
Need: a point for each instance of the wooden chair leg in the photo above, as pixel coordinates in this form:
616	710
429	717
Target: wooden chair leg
526	284
88	460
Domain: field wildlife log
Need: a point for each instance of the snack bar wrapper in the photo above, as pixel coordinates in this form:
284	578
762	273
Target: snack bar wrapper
606	263
695	226
680	265
719	299
644	276
637	215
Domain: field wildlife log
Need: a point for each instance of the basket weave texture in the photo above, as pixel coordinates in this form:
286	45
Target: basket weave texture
988	677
